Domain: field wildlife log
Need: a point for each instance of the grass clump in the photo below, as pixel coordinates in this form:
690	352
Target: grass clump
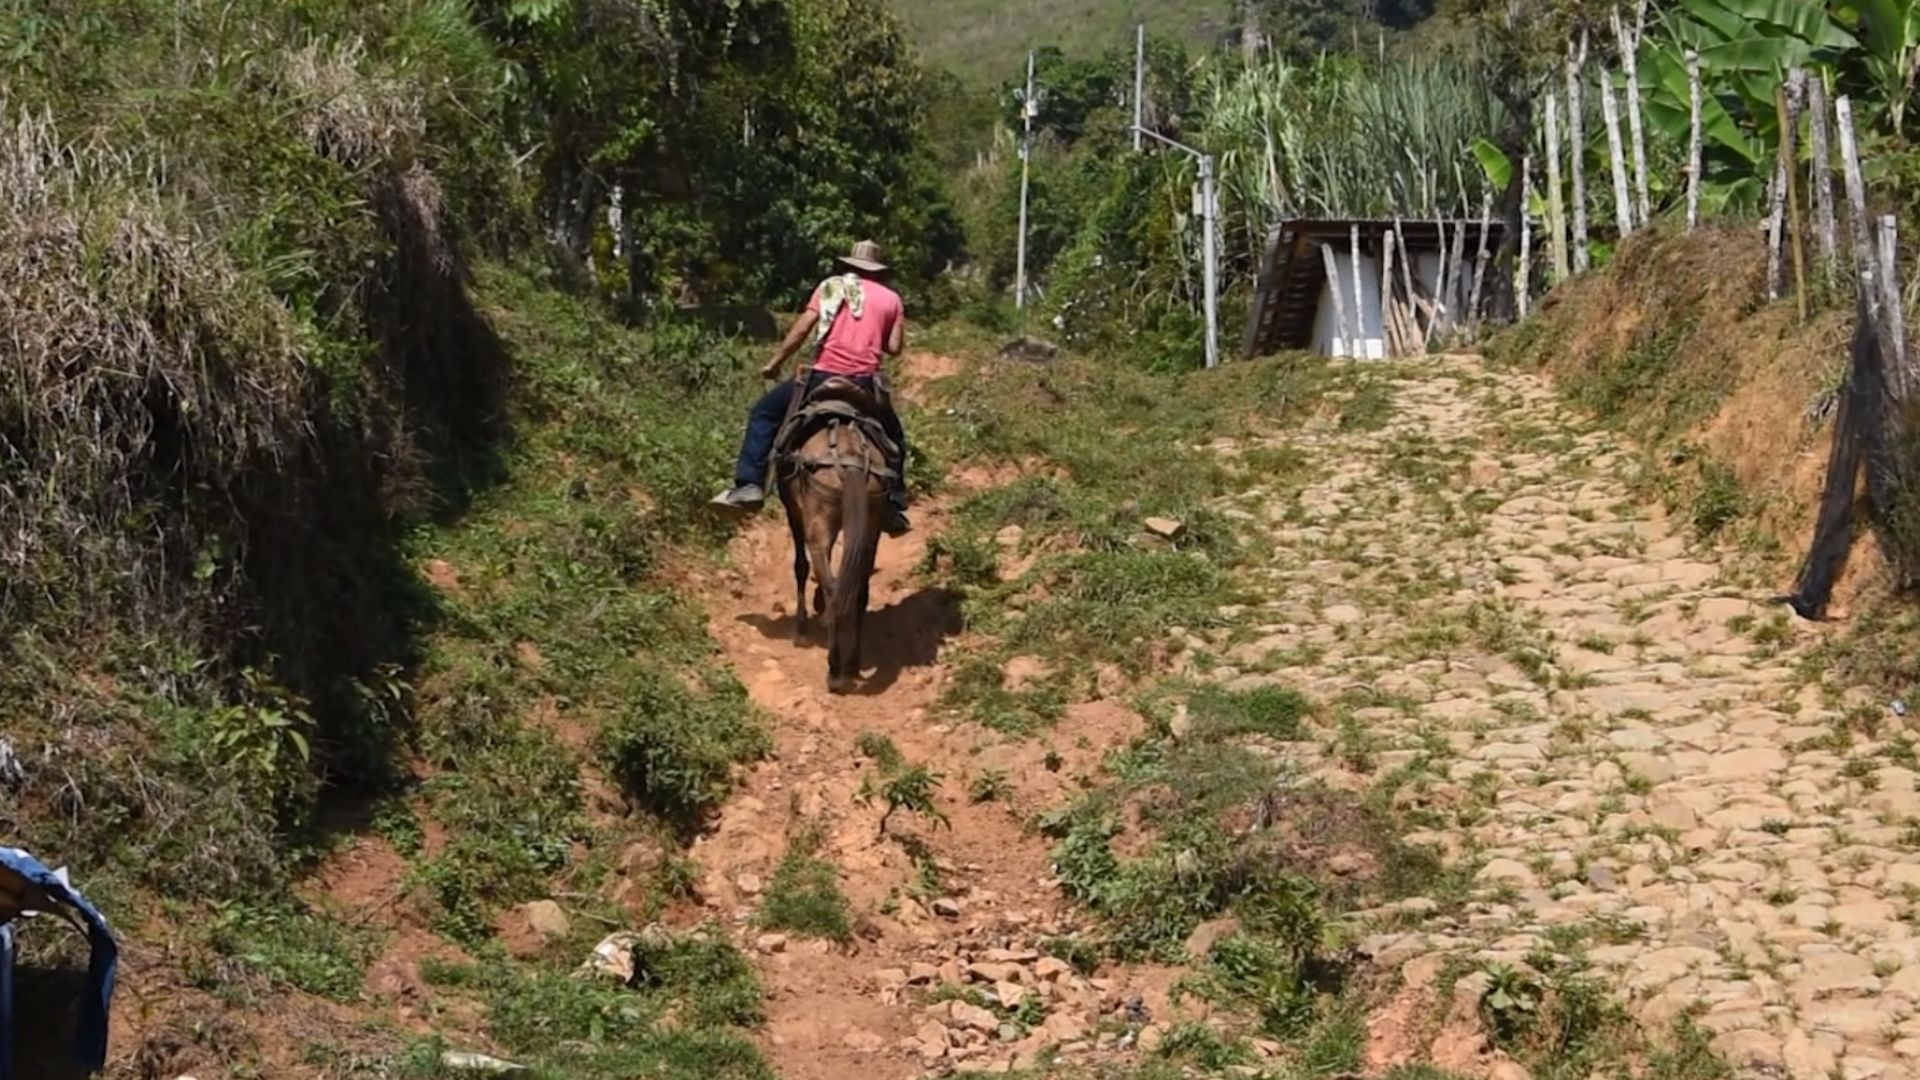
289	946
683	1015
879	749
804	896
1718	502
674	751
1273	711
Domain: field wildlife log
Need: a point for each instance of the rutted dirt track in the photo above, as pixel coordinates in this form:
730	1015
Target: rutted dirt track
1641	760
863	1009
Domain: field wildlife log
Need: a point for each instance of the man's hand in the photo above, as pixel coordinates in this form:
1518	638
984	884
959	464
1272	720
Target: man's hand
774	368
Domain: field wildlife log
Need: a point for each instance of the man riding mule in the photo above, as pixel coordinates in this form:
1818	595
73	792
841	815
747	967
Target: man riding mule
853	320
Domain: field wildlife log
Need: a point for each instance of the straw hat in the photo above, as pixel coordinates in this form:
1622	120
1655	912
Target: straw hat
866	255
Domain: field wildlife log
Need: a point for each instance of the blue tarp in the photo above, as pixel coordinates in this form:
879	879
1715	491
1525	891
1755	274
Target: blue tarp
29	886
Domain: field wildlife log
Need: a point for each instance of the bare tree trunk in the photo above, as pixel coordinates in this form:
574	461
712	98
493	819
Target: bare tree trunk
1695	157
1616	154
1636	125
1523	282
1556	201
1576	150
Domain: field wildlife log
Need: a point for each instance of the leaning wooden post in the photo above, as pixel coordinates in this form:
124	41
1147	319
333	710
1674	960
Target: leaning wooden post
1694	154
1440	304
1419	338
1556	205
1630	59
1824	229
1472	310
1333	290
1359	297
1577	151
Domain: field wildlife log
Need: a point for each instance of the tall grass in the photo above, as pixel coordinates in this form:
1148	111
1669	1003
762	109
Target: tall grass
1337	138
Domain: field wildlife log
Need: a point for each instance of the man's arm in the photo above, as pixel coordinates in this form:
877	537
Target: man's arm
897	336
802	328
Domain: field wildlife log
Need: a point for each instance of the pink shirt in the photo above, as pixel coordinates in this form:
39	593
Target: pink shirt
855	346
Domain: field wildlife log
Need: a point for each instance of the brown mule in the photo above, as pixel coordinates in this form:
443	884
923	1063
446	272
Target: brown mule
834	487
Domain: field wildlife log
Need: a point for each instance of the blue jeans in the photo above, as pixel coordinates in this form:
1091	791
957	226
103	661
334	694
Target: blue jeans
763	425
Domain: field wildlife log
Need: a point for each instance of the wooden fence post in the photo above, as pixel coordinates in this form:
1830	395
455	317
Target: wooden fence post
1787	101
1856	196
1777	200
1694	155
1901	377
1440	304
1825	230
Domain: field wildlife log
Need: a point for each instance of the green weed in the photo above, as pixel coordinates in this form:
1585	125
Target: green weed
804	896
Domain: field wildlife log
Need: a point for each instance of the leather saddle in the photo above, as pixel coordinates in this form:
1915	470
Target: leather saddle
835	402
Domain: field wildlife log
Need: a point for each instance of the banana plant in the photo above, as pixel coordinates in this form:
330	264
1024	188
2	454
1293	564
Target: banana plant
1887	37
1746	49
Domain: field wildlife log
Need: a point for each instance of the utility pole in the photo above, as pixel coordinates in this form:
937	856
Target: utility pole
1206	199
1211	260
1139	82
1026	165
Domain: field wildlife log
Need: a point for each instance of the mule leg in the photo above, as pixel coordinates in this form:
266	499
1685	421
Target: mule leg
800	569
860	624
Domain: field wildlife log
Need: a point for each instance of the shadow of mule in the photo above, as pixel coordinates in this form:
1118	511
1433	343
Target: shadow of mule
903	635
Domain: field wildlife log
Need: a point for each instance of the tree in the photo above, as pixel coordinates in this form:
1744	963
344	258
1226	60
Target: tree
1523	42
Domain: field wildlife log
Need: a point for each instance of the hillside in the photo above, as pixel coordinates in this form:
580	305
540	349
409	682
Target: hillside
985	41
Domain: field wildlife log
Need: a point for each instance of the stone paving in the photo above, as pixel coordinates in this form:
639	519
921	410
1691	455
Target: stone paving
1619	736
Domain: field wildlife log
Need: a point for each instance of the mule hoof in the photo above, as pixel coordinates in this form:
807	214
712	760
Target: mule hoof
839	684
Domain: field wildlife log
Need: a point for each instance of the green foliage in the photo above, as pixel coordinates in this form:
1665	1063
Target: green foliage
879	749
674	751
1340	138
567	1026
1719	500
1273	711
293	947
990	786
804	896
912	790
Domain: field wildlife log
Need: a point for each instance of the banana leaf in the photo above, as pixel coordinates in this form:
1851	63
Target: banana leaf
1808	22
1667	104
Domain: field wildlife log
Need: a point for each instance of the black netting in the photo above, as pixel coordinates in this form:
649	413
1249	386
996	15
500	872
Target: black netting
1863	432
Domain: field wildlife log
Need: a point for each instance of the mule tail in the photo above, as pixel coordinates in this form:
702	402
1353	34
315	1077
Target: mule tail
859	546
